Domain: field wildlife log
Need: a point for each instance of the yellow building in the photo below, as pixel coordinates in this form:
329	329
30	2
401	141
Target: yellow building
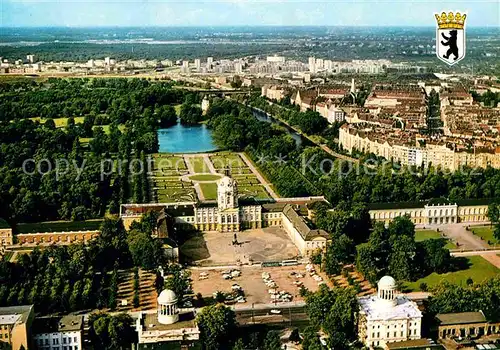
6	237
433	212
15	325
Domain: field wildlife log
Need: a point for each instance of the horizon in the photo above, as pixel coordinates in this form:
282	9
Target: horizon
247	13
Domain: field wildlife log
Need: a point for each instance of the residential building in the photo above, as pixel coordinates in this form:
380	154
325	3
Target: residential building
15	326
387	317
197	64
58	333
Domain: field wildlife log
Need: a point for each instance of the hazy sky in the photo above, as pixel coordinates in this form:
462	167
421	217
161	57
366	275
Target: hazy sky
240	12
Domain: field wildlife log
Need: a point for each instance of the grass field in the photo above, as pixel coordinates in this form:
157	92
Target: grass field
168	162
486	233
105	128
227	160
59	226
199	165
204	177
209	190
256	191
479	270
59	122
422	235
175	194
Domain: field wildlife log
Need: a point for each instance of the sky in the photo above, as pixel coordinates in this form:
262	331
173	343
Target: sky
79	13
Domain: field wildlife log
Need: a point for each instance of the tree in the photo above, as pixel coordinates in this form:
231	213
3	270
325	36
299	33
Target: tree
190	114
146	251
272	341
167	116
111	331
216	322
334	310
311	339
178	281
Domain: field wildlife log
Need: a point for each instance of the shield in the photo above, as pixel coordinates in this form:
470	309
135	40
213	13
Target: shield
450	44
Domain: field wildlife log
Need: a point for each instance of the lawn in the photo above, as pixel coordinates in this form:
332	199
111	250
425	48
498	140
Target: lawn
105	128
422	235
175	194
60	226
59	122
199	165
486	233
209	190
479	270
255	191
204	177
162	161
225	160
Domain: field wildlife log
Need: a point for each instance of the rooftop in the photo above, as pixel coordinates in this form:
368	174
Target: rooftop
68	323
404	308
461	318
413	344
13	314
150	322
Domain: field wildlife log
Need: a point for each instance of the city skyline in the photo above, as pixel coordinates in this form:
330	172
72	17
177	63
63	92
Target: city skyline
96	13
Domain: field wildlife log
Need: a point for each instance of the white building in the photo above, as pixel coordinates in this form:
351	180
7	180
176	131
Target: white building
387	317
276	59
205	104
185	67
167	324
197	64
58	333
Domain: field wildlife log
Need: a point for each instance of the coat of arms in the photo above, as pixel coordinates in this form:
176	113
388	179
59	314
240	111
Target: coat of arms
450	37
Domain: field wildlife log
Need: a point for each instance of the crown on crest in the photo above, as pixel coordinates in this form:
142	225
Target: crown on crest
451	20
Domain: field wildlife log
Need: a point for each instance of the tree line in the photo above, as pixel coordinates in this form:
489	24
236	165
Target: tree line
77	276
132	110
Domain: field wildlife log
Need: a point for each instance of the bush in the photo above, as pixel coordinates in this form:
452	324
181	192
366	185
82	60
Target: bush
423	287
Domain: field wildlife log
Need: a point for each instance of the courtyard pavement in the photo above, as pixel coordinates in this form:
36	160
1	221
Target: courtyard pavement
255	245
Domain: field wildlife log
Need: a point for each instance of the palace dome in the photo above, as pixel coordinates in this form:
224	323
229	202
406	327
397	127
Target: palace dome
167	296
387	282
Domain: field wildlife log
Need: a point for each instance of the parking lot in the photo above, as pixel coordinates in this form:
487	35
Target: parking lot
253	285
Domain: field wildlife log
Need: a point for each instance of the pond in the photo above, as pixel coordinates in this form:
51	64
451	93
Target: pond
186	139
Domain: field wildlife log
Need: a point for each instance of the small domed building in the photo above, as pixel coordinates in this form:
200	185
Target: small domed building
388	316
168	324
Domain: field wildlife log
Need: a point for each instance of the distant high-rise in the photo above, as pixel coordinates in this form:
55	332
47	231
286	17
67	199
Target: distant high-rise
197	64
30	58
312	64
210	62
185	67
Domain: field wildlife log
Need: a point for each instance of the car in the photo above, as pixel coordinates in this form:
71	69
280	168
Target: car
275	311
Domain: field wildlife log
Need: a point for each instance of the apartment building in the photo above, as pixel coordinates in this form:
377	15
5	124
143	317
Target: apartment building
15	326
58	333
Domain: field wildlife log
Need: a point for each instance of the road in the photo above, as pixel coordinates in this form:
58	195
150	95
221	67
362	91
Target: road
261	315
470	243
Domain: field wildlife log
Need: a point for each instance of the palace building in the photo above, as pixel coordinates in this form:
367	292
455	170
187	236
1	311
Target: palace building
231	214
433	212
387	317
